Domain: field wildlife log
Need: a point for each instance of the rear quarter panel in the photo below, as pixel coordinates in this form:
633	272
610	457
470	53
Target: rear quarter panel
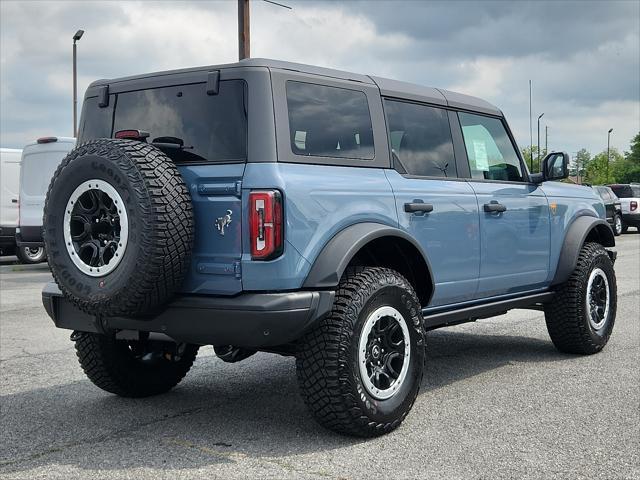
319	202
566	203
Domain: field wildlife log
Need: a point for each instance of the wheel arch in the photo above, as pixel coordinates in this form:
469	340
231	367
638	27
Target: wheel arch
373	244
583	229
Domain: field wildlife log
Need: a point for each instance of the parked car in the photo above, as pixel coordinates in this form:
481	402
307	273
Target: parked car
629	195
337	217
39	162
612	206
9	175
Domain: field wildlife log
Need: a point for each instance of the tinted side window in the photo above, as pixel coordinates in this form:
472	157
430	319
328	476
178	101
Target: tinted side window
96	122
329	121
626	191
420	139
211	127
489	148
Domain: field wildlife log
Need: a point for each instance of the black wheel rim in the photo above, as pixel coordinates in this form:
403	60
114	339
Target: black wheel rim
598	298
384	352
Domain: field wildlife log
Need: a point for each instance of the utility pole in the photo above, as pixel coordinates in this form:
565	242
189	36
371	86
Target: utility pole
530	132
546	139
244	42
76	37
608	145
539	117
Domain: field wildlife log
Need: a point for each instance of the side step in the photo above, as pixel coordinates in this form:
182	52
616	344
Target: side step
484	310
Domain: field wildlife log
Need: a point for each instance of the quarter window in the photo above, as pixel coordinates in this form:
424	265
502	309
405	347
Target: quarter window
420	138
329	121
489	148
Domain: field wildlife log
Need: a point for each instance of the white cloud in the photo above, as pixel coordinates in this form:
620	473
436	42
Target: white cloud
584	63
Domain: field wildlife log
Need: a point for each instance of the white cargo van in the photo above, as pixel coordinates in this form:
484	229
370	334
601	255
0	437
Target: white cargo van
10	178
39	162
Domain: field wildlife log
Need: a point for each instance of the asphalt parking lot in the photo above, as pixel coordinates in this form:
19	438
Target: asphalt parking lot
497	401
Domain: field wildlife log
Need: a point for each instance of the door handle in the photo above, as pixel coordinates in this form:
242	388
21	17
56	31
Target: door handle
14	200
417	207
494	207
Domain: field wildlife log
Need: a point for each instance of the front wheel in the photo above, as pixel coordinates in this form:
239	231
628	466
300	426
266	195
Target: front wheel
617	225
581	315
31	255
359	369
133	368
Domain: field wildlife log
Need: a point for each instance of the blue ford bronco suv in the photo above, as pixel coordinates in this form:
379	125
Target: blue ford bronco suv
331	216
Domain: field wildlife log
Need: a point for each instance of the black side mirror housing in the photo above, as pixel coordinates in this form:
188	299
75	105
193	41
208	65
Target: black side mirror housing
555	166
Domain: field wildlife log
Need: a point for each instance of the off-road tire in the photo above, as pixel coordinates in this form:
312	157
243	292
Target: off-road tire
31	259
327	359
567	315
160	225
111	366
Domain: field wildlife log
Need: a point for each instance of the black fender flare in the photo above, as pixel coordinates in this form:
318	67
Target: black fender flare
576	235
332	261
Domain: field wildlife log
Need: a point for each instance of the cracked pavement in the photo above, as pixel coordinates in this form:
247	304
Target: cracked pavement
497	401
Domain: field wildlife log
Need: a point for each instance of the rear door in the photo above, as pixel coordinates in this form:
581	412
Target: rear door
205	134
433	204
514	214
10	165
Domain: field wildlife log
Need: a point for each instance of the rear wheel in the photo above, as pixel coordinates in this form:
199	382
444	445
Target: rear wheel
133	368
617	225
359	369
581	316
31	255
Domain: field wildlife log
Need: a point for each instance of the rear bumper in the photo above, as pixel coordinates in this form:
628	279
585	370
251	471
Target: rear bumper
632	219
29	237
248	320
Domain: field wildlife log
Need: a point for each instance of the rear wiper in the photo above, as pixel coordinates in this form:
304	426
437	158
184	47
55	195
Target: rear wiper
170	142
176	149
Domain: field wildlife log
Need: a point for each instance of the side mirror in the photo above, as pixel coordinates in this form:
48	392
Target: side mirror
555	166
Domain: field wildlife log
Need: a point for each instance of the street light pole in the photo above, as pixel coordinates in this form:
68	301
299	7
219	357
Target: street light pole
539	117
608	145
530	132
76	37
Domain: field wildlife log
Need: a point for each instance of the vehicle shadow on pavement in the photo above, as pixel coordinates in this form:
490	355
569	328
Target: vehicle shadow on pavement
249	412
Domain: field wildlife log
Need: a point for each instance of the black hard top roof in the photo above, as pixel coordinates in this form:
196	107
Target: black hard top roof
388	87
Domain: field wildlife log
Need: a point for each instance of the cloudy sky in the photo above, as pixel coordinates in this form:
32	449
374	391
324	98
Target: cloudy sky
583	57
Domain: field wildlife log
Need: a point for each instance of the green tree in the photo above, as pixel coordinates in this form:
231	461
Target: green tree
526	155
596	171
580	163
633	155
627	170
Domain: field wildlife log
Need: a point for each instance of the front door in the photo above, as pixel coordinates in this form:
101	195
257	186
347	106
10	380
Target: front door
514	214
434	205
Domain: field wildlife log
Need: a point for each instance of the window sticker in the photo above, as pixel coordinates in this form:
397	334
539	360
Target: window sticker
480	154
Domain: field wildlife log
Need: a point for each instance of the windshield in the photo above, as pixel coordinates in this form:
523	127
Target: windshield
183	121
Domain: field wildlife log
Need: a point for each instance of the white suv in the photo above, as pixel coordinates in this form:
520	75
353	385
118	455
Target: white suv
629	195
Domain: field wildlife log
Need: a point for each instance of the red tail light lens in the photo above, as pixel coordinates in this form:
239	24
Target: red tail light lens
265	223
633	205
131	134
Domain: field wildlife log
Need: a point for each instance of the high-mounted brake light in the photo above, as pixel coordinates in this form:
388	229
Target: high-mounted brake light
633	205
131	134
265	224
42	140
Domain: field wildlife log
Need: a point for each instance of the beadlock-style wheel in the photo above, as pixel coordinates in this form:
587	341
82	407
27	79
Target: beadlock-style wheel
95	228
597	298
384	352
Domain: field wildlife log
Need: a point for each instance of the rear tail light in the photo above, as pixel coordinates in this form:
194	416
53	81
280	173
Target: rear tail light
633	205
265	222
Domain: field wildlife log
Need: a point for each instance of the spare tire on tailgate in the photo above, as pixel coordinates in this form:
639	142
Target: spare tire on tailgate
118	227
